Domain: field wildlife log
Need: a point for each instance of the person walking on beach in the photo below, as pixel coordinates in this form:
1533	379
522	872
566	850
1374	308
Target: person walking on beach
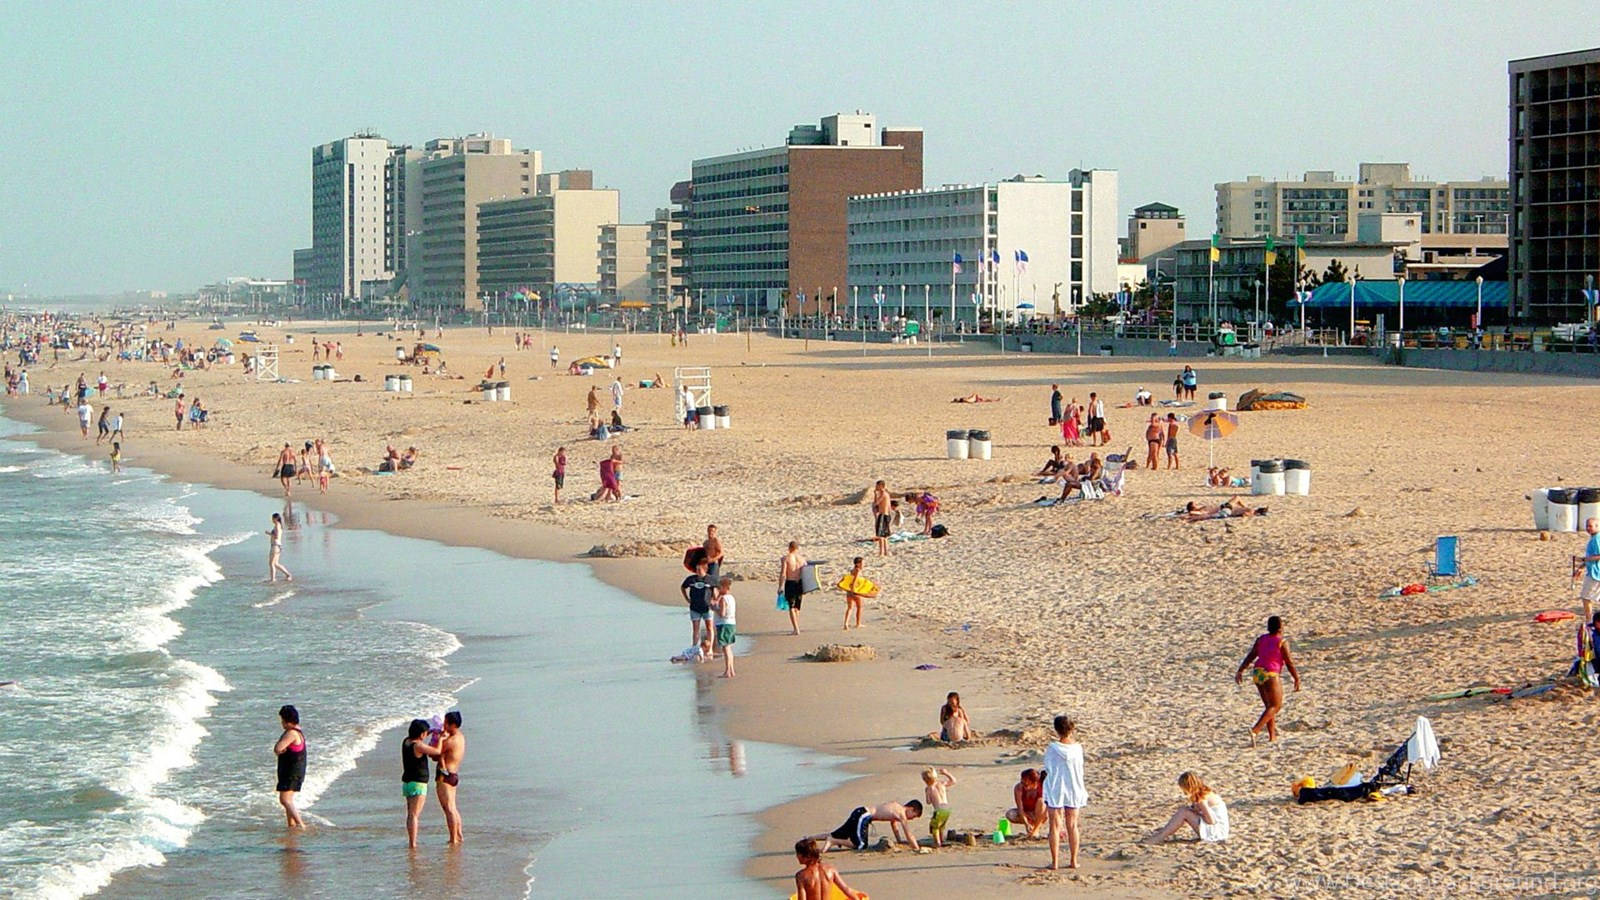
116	428
616	355
1153	435
452	750
696	590
880	517
275	551
1270	656
1055	403
616	394
1069	424
85	412
789	572
725	608
713	552
1172	440
414	753
178	411
1064	793
1589	592
560	473
1097	418
852	595
104	425
593	403
291	752
555	356
285	467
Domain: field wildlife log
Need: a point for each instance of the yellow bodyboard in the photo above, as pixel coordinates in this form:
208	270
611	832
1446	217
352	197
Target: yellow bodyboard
860	585
833	894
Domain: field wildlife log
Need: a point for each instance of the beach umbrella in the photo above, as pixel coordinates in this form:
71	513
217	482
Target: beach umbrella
1213	426
224	344
432	348
247	336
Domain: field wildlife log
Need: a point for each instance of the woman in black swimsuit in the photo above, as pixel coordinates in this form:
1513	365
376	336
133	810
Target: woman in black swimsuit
291	751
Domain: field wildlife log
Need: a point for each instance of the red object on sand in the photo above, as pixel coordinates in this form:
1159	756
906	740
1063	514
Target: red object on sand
1555	615
692	556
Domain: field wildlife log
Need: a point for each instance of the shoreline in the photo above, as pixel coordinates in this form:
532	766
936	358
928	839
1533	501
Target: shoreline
746	700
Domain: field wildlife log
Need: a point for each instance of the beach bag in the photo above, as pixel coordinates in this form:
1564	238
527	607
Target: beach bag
939	531
783	602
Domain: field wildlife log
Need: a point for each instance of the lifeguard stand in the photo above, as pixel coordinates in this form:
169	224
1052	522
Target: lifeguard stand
267	363
698	380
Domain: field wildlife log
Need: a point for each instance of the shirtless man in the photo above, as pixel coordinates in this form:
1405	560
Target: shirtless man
714	551
855	832
880	518
789	569
451	751
1154	436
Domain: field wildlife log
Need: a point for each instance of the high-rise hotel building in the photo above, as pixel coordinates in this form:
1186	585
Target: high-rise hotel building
1555	185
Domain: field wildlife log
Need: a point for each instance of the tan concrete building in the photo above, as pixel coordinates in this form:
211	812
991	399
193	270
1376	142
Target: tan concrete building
460	175
1154	229
549	243
1325	206
666	252
625	263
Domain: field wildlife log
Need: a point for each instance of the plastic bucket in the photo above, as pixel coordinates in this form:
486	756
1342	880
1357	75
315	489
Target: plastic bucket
708	419
1271	480
978	445
502	391
1563	509
723	419
1540	499
956	444
1588	505
1296	477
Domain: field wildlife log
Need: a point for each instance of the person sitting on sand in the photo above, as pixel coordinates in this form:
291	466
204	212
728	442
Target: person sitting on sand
816	880
409	459
1054	464
391	459
1234	508
855	833
1143	397
1028	794
974	398
953	723
1205	813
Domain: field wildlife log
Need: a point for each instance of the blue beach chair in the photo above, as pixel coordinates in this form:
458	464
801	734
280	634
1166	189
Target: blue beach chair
1446	558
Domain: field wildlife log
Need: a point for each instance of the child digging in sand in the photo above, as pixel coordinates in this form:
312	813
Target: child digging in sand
815	876
937	792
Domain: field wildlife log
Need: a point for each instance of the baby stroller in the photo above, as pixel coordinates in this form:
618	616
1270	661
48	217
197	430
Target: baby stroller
1394	776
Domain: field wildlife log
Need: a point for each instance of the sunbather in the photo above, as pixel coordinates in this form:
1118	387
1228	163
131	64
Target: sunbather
1054	464
1234	508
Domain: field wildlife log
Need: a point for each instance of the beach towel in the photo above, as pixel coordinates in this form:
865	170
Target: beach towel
1423	748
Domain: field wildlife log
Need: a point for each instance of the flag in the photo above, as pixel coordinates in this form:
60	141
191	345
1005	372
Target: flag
994	260
1300	248
1021	257
1216	248
955	266
1272	252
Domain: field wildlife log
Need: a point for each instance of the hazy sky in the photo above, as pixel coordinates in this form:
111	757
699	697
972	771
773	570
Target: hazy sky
157	145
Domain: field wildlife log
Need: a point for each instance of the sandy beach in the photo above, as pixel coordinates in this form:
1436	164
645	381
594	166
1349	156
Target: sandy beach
1113	612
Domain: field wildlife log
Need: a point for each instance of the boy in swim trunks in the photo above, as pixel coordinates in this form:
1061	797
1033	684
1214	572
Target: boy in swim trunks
815	877
938	783
856	834
880	518
789	571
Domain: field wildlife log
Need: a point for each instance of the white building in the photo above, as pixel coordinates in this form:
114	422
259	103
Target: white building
350	194
910	239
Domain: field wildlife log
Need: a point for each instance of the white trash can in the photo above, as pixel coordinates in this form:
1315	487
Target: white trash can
1297	477
978	445
391	383
1217	402
1540	499
1270	478
405	384
720	413
490	392
708	419
317	374
502	391
955	444
1588	505
1563	509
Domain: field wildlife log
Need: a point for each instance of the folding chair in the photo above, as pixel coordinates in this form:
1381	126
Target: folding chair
1446	561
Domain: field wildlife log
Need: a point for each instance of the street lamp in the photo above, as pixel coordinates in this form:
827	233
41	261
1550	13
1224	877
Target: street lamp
1355	282
1402	329
1478	323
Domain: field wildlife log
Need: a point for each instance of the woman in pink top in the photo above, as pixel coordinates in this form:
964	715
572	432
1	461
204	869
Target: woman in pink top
1270	656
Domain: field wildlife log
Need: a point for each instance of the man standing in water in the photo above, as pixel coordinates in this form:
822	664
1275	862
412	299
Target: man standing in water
451	751
789	571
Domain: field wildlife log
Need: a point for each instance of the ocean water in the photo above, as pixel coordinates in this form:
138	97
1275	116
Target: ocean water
150	656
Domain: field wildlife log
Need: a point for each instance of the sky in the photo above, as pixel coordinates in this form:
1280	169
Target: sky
161	146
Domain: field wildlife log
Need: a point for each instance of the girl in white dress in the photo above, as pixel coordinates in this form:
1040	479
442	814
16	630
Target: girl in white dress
1205	813
1064	793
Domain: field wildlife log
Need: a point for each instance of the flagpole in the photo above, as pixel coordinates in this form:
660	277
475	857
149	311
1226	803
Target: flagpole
927	292
1211	281
952	322
1266	282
